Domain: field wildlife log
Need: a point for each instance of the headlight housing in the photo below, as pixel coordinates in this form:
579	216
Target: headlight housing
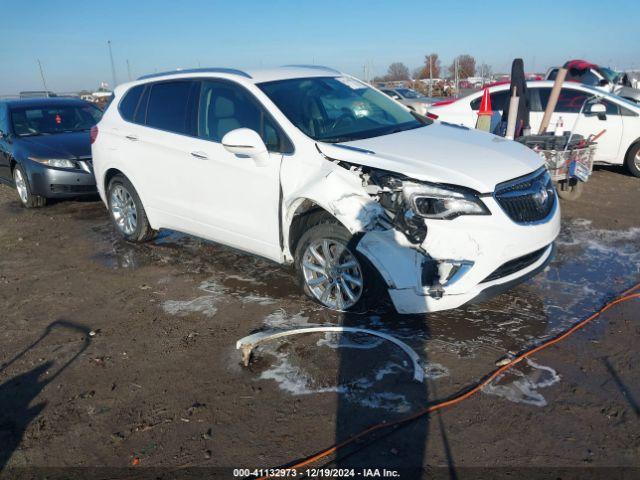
55	162
440	202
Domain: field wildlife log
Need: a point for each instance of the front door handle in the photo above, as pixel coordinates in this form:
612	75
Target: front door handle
133	138
200	155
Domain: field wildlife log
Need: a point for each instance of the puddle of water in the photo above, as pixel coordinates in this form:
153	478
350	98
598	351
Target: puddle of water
296	372
521	384
206	304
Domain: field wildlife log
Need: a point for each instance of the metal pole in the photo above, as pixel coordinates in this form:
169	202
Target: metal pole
430	76
128	69
44	82
113	67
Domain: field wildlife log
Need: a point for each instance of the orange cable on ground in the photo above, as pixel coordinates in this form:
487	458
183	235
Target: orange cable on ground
624	297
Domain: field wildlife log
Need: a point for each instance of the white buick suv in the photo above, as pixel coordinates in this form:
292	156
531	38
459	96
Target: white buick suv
309	166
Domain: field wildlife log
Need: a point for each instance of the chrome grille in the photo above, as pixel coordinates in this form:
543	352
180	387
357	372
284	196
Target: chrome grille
527	199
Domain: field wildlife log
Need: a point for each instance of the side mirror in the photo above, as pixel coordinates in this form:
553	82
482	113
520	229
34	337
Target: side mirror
598	109
246	143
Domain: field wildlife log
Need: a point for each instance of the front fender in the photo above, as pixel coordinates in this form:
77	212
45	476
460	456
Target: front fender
341	194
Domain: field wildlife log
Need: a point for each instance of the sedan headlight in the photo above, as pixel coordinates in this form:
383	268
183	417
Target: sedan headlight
444	203
55	162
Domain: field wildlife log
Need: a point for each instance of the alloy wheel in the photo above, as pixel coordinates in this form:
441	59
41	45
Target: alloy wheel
123	210
332	274
636	160
21	185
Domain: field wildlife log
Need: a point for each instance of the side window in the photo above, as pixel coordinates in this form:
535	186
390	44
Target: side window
570	101
225	107
625	112
498	101
612	108
129	103
169	106
140	115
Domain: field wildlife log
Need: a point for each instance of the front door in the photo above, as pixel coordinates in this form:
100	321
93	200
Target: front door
238	200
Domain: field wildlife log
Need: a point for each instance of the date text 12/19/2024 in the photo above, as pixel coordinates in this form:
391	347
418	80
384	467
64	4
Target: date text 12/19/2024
315	473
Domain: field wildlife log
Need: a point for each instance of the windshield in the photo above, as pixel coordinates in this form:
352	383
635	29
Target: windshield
408	93
28	121
338	109
610	75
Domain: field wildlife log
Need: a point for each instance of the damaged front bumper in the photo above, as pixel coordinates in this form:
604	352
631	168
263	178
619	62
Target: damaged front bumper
461	260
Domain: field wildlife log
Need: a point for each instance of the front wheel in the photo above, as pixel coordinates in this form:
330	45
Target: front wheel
28	199
127	212
332	272
632	161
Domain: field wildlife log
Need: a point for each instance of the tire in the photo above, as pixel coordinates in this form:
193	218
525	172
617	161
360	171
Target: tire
28	199
127	212
632	162
570	192
330	235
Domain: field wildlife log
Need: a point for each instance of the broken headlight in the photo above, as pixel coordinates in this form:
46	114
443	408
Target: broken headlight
445	203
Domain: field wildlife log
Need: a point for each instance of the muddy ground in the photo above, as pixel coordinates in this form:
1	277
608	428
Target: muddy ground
114	356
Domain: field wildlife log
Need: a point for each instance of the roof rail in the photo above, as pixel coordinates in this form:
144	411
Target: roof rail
231	71
314	67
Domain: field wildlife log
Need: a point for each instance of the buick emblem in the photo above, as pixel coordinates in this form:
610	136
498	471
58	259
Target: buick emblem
541	194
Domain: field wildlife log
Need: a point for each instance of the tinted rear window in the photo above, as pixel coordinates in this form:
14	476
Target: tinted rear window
498	101
130	102
168	107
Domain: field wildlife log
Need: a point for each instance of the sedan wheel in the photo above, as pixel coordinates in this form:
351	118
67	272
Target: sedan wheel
21	185
332	274
123	209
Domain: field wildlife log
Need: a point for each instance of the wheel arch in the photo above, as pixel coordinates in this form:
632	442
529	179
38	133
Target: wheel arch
300	215
631	146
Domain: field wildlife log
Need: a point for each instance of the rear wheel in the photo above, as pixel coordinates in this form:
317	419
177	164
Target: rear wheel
570	189
632	161
331	270
127	212
28	199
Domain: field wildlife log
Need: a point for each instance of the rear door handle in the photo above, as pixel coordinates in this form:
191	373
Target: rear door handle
133	138
200	155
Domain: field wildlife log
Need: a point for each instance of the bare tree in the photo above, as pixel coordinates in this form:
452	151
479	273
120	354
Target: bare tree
484	70
397	71
466	66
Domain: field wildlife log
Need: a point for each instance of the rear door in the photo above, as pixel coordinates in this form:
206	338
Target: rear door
157	149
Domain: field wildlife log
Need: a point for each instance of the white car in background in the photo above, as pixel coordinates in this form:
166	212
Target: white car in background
619	145
309	166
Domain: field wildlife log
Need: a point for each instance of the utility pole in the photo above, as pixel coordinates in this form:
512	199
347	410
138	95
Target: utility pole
113	67
129	69
44	82
430	75
455	67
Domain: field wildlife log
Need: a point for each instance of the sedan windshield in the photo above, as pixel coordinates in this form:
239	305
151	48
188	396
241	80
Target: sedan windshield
28	121
339	109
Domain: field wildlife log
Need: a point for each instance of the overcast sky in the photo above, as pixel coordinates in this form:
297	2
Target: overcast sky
70	37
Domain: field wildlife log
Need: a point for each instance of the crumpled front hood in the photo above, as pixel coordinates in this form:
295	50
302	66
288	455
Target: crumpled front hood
442	153
71	145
